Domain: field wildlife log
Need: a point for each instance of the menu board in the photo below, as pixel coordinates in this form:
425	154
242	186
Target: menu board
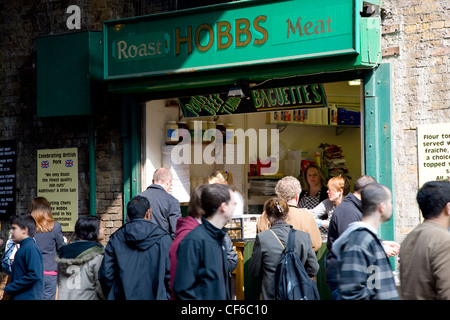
57	181
8	163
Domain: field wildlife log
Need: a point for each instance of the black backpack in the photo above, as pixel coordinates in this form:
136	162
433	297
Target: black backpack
291	280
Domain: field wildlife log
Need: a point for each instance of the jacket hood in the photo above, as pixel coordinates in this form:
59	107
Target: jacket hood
77	253
340	243
141	234
185	225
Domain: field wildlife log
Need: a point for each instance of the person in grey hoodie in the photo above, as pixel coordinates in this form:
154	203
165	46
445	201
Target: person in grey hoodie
364	271
79	262
136	265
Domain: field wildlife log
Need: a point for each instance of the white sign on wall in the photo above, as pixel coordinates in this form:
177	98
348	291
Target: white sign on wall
433	147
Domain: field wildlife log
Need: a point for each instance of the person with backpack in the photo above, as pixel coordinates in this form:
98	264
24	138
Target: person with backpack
270	245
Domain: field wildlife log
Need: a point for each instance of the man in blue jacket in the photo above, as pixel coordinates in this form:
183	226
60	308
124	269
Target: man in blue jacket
202	253
27	276
136	262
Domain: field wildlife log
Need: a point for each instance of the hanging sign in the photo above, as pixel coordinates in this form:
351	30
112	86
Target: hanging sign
8	164
259	100
230	35
57	181
433	146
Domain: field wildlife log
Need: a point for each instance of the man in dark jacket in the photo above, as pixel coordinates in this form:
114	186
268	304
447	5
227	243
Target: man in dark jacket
202	253
350	210
136	262
27	277
165	207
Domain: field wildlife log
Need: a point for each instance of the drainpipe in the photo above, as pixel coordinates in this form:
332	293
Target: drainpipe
92	187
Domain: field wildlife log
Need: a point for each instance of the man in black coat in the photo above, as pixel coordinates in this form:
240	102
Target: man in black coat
202	253
165	207
136	263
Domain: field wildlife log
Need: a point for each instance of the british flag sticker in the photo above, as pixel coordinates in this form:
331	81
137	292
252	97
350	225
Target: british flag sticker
45	164
69	163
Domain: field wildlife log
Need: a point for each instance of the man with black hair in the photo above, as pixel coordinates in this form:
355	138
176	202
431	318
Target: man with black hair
202	253
136	262
27	277
425	252
364	270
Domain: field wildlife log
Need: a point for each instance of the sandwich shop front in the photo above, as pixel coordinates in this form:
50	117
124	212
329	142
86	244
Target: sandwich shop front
280	82
283	83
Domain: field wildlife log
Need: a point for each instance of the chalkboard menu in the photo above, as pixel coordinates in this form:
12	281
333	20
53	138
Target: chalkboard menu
8	162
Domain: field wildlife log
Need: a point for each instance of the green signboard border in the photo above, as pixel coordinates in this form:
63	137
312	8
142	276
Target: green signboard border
354	51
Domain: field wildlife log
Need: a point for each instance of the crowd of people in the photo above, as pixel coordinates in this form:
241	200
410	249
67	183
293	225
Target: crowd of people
160	255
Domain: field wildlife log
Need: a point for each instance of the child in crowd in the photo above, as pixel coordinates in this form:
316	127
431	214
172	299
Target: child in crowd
27	275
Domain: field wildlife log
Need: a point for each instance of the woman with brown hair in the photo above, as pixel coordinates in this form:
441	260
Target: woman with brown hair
267	249
316	190
49	238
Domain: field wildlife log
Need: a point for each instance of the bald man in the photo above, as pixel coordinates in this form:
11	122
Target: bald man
165	207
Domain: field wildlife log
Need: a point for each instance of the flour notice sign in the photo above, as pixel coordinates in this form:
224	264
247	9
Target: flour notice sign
57	181
434	152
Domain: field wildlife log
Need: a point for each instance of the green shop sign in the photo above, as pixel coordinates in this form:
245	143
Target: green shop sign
260	100
231	35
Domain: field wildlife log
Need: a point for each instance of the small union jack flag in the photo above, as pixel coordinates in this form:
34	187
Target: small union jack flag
69	163
45	164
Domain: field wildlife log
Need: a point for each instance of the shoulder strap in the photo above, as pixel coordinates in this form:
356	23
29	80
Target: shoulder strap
277	238
291	240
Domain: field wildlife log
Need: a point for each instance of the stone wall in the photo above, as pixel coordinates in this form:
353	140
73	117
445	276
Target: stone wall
420	88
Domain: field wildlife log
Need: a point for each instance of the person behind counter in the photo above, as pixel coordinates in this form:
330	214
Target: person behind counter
316	190
267	250
226	177
289	189
338	188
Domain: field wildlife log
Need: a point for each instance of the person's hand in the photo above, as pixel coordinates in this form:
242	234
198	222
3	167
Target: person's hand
391	248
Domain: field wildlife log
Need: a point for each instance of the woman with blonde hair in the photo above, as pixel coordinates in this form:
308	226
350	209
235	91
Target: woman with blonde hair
338	188
225	177
49	238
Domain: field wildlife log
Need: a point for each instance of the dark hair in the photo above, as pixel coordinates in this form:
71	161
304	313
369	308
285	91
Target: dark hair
25	221
87	228
276	209
363	181
371	196
195	204
137	207
433	197
213	195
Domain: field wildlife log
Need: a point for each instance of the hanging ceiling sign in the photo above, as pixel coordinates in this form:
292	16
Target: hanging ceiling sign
260	100
230	35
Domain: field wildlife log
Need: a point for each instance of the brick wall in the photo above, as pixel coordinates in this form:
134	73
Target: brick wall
21	22
421	90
